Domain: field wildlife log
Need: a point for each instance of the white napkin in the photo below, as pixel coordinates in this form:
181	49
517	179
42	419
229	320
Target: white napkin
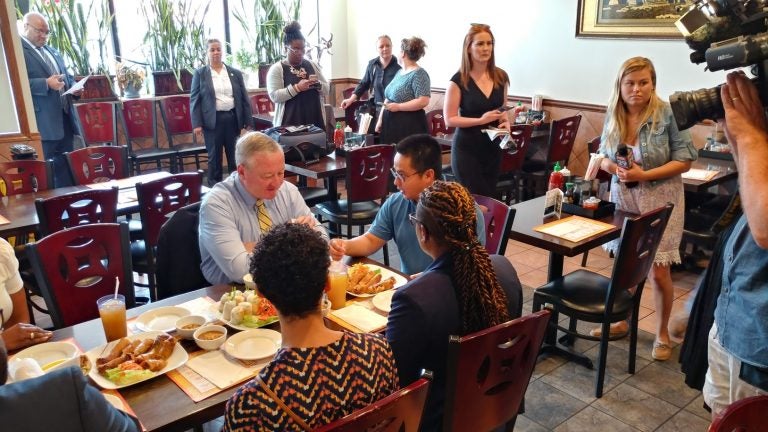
594	166
222	370
360	317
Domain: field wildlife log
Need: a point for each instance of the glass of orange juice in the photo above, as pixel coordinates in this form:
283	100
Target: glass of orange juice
337	283
112	312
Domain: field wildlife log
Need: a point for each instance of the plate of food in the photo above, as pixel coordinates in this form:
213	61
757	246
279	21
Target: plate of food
246	310
40	359
161	319
383	301
253	344
367	280
134	359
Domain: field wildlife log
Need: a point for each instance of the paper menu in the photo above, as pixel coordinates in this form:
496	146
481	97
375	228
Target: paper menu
574	228
699	174
77	86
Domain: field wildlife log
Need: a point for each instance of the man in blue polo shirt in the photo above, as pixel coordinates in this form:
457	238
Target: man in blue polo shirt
417	164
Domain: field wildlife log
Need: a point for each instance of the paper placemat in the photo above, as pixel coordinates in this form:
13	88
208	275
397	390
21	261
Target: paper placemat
224	371
574	228
4	220
700	174
358	318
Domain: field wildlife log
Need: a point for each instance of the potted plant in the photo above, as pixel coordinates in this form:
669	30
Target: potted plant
69	25
130	78
176	42
262	23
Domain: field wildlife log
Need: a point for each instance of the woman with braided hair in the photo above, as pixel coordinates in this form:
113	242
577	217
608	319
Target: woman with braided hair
464	290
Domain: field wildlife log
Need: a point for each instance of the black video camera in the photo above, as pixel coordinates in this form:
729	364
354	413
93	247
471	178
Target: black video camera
725	34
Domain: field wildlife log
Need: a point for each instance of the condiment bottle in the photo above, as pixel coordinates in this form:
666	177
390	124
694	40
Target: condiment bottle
338	136
566	174
568	197
348	135
625	159
338	279
556	179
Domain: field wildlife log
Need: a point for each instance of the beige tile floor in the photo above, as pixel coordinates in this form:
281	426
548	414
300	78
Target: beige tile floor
560	396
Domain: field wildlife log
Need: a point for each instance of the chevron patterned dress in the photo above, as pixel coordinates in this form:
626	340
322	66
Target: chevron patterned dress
319	384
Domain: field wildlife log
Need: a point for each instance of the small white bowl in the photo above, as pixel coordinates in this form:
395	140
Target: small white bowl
211	344
189	319
248	281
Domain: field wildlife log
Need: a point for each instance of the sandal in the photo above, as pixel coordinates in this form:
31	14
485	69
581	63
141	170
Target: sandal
661	351
617	328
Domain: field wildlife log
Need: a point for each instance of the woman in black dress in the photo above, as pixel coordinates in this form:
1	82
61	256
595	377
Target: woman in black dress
296	85
471	104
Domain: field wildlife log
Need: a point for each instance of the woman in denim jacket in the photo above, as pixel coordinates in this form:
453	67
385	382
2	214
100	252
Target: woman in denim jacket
637	117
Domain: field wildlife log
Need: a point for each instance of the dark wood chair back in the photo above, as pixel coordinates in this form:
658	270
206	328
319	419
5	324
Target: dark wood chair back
140	119
350	114
176	272
436	124
98	122
177	115
498	222
562	136
399	412
160	197
489	371
745	415
77	266
76	208
520	140
593	146
368	174
261	103
98	164
347	92
24	176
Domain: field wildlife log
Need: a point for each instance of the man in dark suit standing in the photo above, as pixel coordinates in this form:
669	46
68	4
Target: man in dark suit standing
48	80
220	109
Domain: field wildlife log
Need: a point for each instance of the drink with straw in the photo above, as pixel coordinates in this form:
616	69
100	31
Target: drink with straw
112	312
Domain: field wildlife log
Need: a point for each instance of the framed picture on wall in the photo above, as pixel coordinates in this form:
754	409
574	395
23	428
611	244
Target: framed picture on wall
630	19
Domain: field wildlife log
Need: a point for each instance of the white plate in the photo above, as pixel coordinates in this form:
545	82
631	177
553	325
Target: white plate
245	328
253	344
114	400
177	358
161	319
383	300
48	352
385	274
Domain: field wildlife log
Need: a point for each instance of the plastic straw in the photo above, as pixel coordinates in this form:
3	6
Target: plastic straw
117	286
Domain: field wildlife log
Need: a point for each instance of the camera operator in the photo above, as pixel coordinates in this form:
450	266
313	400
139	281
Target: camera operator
738	340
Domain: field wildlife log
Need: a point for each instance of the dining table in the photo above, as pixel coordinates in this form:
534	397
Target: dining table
726	171
159	403
329	168
21	213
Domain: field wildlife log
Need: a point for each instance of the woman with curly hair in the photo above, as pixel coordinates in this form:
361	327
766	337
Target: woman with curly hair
345	371
464	290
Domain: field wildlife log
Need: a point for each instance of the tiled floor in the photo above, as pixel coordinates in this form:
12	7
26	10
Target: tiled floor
560	396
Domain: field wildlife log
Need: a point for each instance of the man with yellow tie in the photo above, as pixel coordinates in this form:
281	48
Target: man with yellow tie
239	210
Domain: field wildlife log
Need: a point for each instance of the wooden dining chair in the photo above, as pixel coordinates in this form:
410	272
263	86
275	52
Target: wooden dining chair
499	218
76	208
399	412
140	124
97	164
351	113
583	295
508	187
562	136
436	124
25	176
488	373
178	273
76	266
177	117
261	103
367	185
745	415
157	199
98	122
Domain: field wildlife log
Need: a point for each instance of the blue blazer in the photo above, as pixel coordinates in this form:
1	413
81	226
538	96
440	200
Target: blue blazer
47	102
424	313
62	401
203	99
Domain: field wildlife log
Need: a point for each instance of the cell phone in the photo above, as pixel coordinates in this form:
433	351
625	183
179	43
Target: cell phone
504	108
313	77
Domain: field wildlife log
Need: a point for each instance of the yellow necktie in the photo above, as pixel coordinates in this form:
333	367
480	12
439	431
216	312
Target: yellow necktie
265	222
